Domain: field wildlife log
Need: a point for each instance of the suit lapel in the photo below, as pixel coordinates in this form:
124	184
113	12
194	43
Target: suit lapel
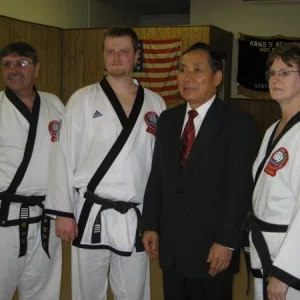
211	126
174	135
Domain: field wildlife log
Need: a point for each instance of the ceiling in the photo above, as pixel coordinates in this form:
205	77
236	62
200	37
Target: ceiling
152	7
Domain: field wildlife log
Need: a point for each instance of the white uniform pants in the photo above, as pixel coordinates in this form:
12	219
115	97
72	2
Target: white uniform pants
128	277
36	276
292	294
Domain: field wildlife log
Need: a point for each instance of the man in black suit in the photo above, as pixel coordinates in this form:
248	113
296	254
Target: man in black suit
200	185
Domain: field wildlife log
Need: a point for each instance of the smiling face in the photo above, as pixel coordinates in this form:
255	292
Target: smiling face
119	56
19	79
197	83
284	89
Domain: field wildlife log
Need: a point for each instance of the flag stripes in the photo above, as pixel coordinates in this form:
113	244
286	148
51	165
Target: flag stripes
158	66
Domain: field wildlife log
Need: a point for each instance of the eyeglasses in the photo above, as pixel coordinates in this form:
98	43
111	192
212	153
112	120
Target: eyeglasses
20	64
281	73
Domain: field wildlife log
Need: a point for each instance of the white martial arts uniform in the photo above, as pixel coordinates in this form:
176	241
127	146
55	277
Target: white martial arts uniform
26	265
90	127
276	200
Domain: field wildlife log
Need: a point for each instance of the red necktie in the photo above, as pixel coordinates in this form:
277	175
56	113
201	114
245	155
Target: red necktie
187	138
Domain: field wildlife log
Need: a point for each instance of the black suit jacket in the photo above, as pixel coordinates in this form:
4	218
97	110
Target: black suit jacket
206	202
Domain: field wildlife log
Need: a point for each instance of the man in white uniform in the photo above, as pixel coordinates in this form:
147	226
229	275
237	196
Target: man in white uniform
30	253
112	124
275	226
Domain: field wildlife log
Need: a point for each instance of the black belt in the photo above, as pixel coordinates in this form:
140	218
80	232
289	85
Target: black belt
257	273
256	227
24	219
120	206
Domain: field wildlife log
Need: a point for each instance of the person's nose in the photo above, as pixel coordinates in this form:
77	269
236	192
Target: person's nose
189	76
116	56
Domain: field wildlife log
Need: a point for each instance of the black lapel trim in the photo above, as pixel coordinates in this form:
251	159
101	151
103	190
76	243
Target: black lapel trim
33	121
112	97
120	141
29	146
272	143
18	103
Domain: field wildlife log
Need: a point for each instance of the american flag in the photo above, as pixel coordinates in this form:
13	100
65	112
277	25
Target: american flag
158	66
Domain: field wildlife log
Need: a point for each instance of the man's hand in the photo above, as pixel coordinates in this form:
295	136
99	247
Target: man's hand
219	258
66	228
276	289
150	241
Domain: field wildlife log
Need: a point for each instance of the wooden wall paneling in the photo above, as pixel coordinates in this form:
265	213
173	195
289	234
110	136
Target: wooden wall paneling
90	58
39	39
276	112
5	38
243	105
65	292
100	64
265	112
271	113
54	58
256	110
82	59
20	31
234	103
66	68
79	55
221	41
71	76
198	34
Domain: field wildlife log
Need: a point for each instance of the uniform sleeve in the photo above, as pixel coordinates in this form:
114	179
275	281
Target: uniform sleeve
64	157
241	150
153	192
286	266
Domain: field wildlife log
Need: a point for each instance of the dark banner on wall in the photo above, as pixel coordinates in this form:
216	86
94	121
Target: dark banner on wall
253	52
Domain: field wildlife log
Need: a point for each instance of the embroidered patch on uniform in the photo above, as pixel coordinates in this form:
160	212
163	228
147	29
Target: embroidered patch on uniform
277	161
151	120
54	127
96	114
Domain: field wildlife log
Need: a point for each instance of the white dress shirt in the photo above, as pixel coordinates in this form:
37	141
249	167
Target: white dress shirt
202	110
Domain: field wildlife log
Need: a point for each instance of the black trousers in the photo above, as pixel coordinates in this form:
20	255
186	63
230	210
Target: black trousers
177	287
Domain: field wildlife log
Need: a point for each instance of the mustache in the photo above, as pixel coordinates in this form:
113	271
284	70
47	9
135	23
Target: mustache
15	75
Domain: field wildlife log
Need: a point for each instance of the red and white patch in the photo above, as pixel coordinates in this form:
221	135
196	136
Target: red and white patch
151	118
277	161
54	127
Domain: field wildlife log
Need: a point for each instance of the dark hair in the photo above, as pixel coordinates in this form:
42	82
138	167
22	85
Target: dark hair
20	48
123	31
288	53
215	59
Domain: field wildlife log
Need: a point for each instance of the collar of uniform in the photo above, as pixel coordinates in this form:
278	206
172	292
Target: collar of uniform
18	103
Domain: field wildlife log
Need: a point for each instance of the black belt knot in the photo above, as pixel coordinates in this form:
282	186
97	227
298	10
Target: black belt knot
120	206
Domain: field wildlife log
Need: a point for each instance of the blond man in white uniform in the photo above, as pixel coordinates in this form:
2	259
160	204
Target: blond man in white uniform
100	210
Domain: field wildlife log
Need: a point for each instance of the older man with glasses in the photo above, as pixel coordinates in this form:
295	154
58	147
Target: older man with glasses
30	253
275	224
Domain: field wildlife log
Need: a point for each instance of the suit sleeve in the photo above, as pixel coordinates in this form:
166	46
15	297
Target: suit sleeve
64	157
241	150
286	264
153	192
